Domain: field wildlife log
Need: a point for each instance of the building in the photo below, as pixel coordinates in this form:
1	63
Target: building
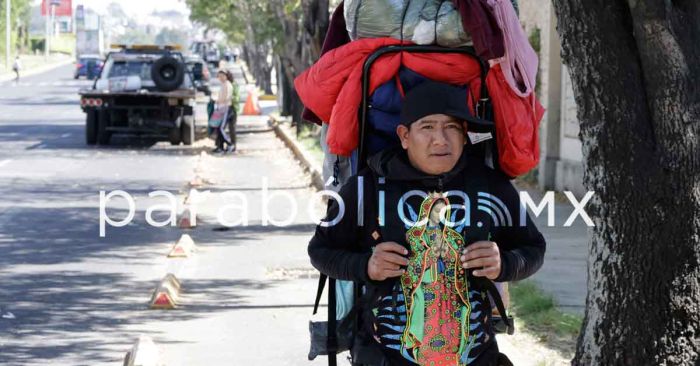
561	163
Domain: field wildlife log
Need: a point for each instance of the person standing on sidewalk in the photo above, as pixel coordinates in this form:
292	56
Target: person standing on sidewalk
427	273
226	107
16	67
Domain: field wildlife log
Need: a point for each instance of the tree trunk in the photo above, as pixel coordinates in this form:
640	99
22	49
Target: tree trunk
635	70
301	47
284	90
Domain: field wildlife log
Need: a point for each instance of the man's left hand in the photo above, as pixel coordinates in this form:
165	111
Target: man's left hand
485	256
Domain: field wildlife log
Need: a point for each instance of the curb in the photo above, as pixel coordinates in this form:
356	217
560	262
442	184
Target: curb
144	352
38	70
167	293
300	154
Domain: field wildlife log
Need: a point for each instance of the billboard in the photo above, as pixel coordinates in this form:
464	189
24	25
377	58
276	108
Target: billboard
64	8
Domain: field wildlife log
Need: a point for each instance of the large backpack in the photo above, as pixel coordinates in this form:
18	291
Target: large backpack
342	333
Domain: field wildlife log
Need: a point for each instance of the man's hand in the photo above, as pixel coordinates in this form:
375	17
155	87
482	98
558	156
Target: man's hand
485	256
386	261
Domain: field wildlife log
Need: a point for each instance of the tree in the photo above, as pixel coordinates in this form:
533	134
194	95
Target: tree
20	18
292	31
171	36
635	70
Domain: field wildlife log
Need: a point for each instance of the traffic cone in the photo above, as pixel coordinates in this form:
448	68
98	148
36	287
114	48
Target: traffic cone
251	107
187	222
167	294
196	182
183	248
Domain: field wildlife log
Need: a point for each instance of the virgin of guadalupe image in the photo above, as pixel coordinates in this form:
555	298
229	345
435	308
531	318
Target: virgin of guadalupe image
436	289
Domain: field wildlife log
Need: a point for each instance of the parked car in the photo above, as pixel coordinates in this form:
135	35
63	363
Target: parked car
208	51
88	66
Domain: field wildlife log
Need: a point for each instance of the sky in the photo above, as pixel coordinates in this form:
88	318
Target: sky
137	8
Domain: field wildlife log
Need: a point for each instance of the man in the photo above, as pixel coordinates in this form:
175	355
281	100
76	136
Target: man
424	228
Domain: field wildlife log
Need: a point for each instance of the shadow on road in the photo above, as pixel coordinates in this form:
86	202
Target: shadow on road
50	137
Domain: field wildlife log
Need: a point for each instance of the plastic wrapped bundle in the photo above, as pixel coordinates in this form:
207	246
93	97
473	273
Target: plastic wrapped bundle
450	32
411	20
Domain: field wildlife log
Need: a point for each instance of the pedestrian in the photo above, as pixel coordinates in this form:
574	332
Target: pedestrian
396	230
236	54
226	108
16	67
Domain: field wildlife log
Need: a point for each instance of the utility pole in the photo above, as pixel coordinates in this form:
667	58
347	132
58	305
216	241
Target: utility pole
46	40
8	28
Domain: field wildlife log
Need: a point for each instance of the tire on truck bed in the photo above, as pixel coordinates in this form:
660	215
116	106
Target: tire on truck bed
167	73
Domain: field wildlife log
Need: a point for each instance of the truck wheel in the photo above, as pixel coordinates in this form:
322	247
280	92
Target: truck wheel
91	127
167	73
174	136
103	135
187	130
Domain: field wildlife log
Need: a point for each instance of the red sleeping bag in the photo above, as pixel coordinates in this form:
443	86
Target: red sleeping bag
332	89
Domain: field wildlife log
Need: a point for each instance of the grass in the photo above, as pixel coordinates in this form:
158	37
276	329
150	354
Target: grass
309	139
537	313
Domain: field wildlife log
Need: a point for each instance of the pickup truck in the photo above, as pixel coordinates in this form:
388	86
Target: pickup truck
145	92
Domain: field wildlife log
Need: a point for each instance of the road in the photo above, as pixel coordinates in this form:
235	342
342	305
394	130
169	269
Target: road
71	297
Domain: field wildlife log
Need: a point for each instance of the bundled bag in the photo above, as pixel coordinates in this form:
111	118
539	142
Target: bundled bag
423	22
218	117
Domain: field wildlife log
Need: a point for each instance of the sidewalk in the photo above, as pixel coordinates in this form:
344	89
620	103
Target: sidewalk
565	268
34	64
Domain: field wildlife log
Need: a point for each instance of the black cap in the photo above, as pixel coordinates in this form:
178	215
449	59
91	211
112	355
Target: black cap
433	97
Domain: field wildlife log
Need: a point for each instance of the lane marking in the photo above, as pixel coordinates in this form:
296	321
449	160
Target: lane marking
65	135
4	162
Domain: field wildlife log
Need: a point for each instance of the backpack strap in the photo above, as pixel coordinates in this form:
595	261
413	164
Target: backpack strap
331	338
319	291
332	342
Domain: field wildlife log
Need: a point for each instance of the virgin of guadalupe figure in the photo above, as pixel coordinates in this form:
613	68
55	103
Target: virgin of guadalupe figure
436	289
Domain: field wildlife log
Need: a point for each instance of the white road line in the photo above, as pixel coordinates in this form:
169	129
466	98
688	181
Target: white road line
4	162
56	83
65	135
43	83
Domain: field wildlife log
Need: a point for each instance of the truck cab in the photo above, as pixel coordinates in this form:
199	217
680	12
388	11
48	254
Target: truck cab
146	92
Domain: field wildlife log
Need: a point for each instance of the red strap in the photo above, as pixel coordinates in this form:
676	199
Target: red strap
399	86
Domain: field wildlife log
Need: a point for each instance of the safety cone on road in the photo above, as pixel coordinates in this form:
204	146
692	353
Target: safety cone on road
251	107
183	248
196	182
167	294
188	219
143	353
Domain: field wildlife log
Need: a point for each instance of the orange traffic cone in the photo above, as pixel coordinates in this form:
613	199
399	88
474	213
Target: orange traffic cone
251	107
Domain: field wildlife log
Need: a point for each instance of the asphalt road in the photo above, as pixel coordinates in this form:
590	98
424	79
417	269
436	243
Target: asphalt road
71	297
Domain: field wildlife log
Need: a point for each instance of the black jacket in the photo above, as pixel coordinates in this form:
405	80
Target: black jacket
342	251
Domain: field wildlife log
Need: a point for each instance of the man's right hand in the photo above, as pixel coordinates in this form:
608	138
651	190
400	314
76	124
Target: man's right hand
386	261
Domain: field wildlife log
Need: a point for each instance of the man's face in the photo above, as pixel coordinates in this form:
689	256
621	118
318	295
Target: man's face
434	143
